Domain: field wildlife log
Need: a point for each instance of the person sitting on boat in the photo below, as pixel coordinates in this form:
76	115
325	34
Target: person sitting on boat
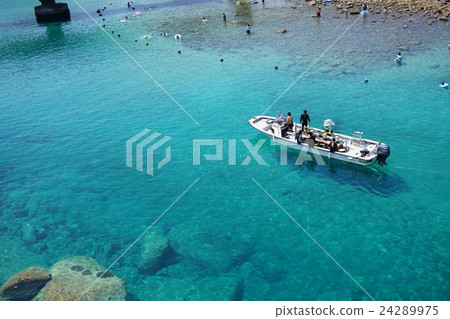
287	126
341	147
304	119
333	145
298	137
289	121
310	139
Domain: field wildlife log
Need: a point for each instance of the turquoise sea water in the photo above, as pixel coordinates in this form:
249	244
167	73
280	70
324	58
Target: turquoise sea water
70	98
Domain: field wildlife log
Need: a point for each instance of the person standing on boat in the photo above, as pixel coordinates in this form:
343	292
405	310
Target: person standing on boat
304	119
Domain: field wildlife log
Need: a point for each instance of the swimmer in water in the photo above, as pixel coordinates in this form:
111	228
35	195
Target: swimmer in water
399	58
204	19
248	28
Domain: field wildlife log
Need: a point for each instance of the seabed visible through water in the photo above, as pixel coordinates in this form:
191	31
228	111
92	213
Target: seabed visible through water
71	98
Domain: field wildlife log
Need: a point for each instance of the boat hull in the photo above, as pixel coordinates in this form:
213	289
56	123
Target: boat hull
323	153
353	158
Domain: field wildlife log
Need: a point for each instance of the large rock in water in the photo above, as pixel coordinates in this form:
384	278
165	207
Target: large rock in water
156	253
25	284
79	278
217	250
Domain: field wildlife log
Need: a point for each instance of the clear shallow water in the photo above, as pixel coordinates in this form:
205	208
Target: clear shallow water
72	98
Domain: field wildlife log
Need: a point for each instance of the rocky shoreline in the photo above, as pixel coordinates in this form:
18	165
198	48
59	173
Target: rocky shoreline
432	10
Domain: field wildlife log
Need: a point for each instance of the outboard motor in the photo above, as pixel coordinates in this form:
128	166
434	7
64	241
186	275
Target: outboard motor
383	152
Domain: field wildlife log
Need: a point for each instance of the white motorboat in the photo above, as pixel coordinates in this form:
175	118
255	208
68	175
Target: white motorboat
351	149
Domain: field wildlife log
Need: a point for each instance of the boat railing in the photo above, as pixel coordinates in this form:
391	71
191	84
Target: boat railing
357	139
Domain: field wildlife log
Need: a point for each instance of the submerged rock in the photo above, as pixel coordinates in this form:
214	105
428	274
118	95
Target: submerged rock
218	251
205	288
156	253
25	285
70	283
28	234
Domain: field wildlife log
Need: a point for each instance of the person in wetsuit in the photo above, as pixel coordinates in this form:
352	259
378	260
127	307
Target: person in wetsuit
333	145
310	139
304	119
298	137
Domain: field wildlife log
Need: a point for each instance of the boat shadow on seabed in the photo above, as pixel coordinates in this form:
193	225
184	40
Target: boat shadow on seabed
375	178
